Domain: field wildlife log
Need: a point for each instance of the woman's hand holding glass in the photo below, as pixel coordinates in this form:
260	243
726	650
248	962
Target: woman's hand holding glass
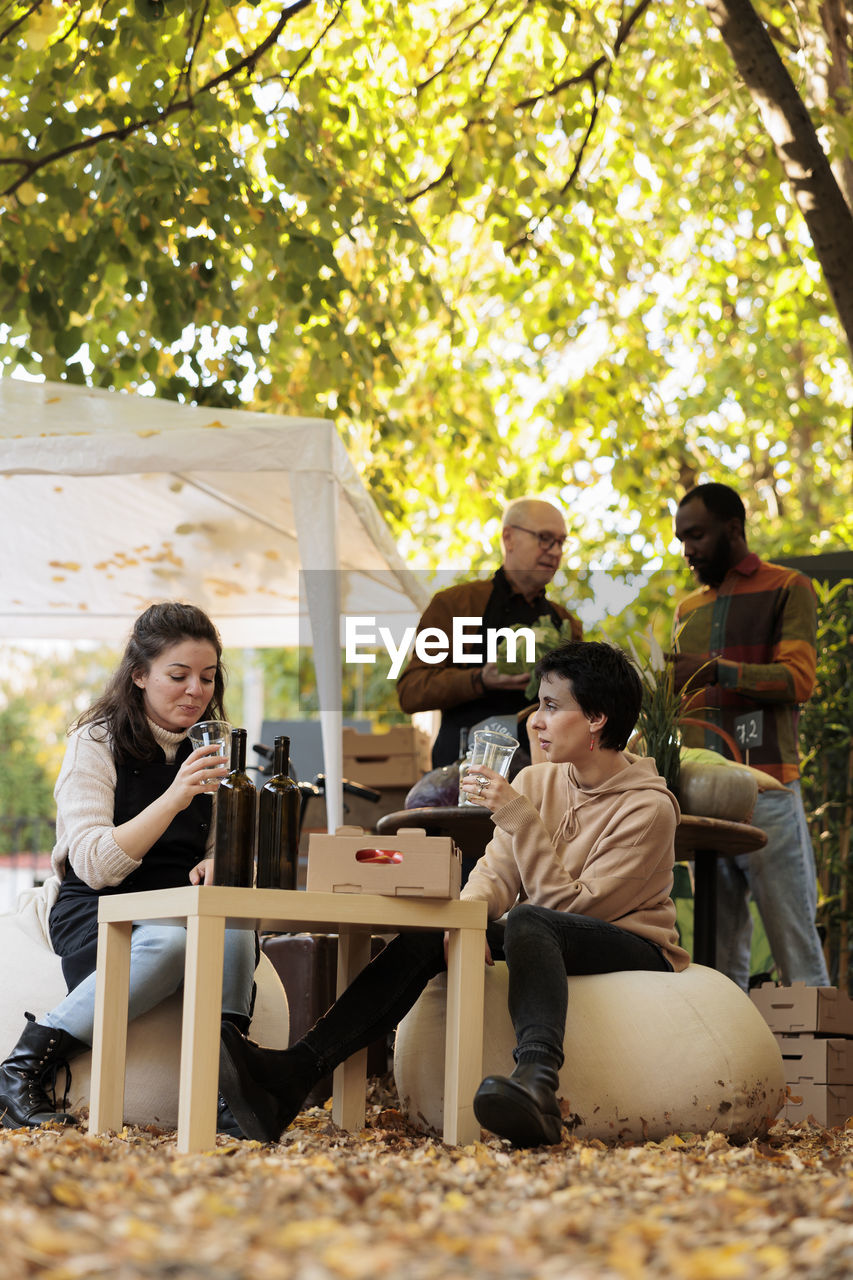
200	774
487	788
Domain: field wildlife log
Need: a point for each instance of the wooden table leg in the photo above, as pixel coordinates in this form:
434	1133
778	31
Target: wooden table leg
705	907
109	1041
199	1080
349	1082
463	1058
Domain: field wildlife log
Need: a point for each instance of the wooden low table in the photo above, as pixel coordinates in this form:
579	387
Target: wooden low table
206	911
702	841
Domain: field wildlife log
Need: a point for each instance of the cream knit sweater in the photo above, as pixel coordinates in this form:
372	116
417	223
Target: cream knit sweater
85	797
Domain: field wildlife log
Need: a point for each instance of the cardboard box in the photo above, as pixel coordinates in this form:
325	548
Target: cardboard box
813	1058
408	864
828	1104
822	1010
393	759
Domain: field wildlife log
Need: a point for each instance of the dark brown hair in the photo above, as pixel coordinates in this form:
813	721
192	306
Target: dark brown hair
603	681
120	710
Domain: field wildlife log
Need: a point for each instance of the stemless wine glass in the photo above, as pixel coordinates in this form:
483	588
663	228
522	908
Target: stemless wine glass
209	733
495	751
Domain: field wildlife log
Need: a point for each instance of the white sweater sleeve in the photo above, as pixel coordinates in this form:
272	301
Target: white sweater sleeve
85	800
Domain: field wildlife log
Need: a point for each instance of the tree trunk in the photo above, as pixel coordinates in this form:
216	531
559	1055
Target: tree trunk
806	166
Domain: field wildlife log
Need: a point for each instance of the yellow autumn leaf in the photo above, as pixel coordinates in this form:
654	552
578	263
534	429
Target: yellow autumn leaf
455	1200
69	1193
722	1262
26	193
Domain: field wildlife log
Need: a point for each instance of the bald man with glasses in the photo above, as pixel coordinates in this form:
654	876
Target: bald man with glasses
533	535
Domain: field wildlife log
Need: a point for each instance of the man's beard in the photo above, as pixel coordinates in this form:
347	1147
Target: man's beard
711	571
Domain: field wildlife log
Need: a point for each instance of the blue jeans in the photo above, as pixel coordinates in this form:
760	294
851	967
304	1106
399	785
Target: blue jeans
781	878
157	971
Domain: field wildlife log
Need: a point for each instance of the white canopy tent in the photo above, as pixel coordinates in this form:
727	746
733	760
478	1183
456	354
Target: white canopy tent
109	501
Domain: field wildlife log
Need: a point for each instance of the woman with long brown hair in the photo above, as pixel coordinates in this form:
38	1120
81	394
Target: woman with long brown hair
134	804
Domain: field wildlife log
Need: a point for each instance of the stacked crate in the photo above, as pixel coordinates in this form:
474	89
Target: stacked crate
396	758
813	1027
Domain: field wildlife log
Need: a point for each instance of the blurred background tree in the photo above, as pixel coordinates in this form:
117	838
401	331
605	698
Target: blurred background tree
508	247
513	247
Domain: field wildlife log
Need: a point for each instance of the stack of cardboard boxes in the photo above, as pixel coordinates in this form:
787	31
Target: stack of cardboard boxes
390	760
813	1027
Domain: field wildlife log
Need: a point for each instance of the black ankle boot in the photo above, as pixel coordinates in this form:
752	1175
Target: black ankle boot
225	1122
264	1088
522	1107
29	1070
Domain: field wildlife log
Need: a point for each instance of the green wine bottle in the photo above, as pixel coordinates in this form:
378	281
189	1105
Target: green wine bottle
234	848
278	824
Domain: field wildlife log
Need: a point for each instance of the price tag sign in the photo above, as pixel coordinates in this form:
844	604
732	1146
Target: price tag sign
749	729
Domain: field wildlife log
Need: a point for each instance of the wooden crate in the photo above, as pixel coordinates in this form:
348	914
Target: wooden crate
393	759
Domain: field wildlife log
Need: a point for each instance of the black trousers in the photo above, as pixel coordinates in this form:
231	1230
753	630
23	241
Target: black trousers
541	948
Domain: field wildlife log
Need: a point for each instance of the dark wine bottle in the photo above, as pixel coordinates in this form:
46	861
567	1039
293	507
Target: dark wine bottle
234	848
278	824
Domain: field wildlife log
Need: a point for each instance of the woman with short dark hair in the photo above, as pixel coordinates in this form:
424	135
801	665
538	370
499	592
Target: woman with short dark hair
581	866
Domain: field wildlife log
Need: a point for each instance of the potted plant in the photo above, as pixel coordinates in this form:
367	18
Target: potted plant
660	713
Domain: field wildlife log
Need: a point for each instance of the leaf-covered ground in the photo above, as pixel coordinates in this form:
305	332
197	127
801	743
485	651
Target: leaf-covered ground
388	1202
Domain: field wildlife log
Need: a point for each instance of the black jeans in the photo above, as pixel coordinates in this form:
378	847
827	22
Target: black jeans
541	947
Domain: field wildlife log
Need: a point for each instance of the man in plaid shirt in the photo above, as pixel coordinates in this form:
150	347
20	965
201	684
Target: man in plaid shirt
745	641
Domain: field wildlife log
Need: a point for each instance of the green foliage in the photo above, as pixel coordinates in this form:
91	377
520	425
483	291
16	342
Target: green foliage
827	768
26	789
524	247
546	636
290	688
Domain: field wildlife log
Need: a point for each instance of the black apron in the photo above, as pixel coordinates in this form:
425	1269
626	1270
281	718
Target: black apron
166	865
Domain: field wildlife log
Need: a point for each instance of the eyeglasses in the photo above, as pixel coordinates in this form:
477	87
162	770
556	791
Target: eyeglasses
545	540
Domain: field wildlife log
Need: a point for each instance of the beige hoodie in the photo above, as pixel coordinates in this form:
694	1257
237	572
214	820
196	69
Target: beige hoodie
605	852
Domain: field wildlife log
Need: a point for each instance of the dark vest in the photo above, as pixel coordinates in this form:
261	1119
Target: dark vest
166	865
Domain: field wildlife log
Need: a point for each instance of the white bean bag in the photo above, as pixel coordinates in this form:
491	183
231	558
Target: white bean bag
34	982
646	1055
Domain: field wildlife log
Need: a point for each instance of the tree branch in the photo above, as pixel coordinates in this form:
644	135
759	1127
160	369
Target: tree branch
587	75
32	165
792	132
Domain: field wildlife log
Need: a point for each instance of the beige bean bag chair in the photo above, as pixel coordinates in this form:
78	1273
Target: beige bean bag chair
33	981
646	1055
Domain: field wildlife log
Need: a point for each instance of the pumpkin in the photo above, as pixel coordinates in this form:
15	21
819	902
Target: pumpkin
711	786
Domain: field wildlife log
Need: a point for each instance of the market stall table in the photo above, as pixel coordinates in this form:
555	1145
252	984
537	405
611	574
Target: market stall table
702	841
206	911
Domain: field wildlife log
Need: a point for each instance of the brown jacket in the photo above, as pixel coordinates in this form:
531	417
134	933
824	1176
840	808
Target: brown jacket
436	687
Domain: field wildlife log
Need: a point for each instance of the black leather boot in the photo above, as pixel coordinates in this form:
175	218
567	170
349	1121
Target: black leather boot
522	1107
264	1088
29	1070
225	1122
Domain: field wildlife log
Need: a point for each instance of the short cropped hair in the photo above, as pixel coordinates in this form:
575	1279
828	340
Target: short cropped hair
604	681
720	500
